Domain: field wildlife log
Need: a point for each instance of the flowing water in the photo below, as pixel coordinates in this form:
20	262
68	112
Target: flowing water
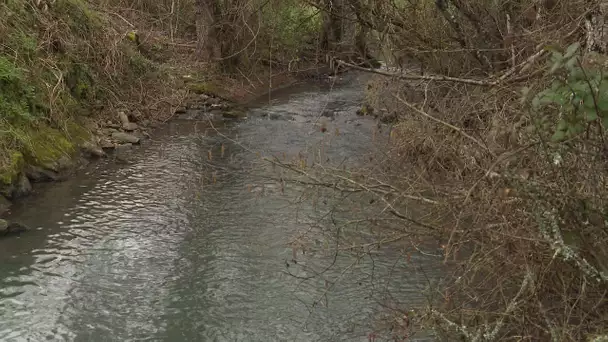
188	239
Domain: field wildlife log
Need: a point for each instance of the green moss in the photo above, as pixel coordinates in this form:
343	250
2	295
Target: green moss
134	37
202	88
9	173
77	134
47	145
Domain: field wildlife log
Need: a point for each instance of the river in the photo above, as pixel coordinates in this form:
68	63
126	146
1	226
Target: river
189	238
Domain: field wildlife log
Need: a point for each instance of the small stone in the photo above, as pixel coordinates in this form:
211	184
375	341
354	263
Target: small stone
123	138
110	124
3	226
130	126
92	150
106	144
108	131
124	119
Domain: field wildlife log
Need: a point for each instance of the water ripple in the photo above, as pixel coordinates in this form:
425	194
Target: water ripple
177	247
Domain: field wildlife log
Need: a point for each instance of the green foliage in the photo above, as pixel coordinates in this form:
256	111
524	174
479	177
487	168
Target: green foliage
23	43
80	81
579	96
18	100
140	65
12	167
82	20
292	24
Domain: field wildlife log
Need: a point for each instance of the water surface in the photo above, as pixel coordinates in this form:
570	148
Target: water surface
189	240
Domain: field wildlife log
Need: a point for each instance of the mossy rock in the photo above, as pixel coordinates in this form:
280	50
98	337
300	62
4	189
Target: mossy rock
9	173
47	146
202	88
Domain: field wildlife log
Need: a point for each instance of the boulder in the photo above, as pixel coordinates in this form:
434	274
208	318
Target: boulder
15	227
23	187
38	174
12	228
4	204
124	138
65	163
130	126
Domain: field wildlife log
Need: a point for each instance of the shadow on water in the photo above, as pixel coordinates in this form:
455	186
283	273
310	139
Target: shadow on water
189	241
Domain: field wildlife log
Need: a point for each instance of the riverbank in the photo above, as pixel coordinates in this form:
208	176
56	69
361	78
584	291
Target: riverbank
78	81
107	136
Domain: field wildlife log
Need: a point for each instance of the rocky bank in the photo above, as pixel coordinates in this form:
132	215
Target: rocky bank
92	140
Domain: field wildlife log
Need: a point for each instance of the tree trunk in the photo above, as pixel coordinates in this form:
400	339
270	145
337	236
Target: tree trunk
597	28
331	32
206	43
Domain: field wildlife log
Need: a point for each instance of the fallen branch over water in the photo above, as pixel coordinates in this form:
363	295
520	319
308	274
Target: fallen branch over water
487	83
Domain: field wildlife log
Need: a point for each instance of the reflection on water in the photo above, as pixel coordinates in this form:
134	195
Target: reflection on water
189	241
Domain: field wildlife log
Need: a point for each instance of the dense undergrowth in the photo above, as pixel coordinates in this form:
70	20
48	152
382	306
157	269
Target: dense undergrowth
61	64
501	124
497	152
66	66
